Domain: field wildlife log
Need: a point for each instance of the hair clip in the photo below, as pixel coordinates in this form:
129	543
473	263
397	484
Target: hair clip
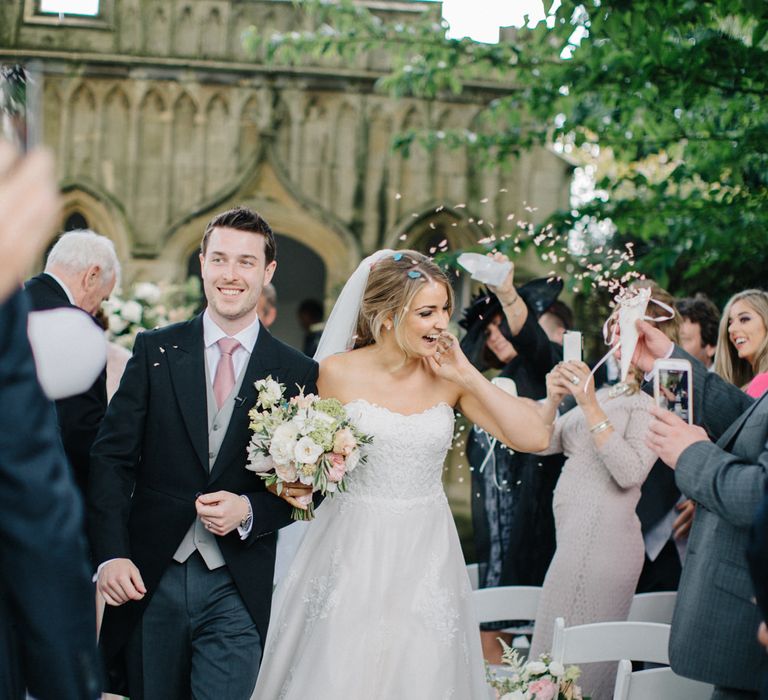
414	274
397	257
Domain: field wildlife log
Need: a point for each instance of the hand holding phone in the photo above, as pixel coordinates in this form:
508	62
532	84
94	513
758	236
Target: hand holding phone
673	387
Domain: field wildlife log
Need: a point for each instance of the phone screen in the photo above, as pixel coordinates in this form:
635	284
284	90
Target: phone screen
572	346
674	391
19	99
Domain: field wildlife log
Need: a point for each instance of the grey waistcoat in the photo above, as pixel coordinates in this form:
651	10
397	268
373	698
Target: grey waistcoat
197	537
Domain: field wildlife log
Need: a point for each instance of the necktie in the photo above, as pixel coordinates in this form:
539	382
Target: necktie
225	371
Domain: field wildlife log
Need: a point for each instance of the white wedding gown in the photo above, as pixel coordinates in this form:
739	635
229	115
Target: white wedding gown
377	604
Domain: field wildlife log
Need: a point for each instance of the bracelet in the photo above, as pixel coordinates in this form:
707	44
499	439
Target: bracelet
600	427
510	303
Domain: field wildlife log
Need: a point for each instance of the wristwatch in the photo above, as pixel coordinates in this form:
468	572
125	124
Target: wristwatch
245	523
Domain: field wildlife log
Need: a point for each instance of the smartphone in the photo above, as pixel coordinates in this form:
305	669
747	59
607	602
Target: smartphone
572	346
673	387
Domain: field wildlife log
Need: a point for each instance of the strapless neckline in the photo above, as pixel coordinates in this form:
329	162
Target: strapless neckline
426	411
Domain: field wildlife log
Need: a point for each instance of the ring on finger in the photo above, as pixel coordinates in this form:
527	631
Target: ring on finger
574	380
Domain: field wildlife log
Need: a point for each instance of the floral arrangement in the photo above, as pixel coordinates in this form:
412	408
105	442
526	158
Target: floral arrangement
150	305
305	438
534	680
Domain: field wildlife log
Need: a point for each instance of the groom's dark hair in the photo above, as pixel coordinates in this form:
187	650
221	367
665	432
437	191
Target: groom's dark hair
243	219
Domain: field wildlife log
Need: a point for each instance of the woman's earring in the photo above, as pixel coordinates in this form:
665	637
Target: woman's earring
388	326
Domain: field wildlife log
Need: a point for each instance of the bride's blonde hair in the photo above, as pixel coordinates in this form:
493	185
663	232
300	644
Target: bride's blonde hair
392	284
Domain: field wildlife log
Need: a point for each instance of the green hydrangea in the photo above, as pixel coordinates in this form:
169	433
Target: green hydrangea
332	407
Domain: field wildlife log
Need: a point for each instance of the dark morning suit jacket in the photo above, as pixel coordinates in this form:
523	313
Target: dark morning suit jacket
79	416
757	556
47	619
715	619
150	460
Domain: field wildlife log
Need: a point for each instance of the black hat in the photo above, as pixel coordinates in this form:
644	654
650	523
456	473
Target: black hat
539	294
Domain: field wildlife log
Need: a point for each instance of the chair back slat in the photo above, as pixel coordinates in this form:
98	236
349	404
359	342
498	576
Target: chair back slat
657	684
610	641
506	603
653	607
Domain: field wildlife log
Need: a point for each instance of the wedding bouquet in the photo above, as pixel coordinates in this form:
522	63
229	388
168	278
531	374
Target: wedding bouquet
304	438
534	680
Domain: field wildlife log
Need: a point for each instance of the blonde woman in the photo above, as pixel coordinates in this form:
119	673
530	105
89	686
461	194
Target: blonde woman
742	343
377	602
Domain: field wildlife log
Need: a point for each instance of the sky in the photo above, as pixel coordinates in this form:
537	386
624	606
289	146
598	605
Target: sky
479	19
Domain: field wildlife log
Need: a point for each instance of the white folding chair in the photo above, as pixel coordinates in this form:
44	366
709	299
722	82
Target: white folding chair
656	684
610	641
473	571
653	607
506	603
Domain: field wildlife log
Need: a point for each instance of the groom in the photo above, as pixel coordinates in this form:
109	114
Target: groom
183	534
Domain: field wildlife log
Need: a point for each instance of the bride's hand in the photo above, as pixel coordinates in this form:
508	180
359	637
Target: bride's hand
295	493
449	362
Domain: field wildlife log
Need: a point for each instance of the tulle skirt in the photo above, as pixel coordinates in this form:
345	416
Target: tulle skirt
376	605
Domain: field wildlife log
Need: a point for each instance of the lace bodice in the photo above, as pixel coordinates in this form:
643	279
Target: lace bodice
405	459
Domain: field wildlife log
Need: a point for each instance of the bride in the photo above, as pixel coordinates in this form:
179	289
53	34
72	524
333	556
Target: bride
377	603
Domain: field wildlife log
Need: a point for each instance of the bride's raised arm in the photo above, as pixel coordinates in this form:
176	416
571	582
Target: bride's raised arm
517	423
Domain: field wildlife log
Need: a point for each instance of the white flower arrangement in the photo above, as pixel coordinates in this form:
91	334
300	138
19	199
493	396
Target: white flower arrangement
305	438
541	679
149	305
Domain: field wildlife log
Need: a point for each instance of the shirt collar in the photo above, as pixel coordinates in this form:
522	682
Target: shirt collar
61	284
246	337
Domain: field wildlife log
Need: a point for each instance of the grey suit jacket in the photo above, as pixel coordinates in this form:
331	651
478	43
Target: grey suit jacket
715	620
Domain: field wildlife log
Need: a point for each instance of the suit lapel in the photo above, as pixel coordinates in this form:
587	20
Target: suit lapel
264	360
187	368
727	438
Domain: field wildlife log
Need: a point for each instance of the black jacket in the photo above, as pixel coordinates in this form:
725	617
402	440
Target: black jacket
80	416
150	460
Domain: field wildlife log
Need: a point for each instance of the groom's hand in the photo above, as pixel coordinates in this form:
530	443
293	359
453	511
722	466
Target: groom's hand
221	511
120	581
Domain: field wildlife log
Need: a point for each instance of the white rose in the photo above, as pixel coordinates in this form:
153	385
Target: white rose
557	669
352	460
146	291
536	667
270	392
259	462
283	443
117	324
132	311
287	472
307	451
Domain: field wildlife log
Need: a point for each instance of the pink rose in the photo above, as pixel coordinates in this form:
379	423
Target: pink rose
542	689
344	442
337	467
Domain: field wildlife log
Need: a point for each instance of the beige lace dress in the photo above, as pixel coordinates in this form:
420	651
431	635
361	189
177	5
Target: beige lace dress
600	549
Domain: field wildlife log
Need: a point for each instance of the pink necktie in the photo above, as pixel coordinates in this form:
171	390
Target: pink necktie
225	371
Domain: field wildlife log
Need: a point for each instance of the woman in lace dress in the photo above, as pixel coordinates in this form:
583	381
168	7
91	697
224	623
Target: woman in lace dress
377	602
600	548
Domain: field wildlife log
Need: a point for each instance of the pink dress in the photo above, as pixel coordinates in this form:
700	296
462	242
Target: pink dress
758	385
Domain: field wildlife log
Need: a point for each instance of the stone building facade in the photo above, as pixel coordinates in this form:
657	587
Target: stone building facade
159	118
